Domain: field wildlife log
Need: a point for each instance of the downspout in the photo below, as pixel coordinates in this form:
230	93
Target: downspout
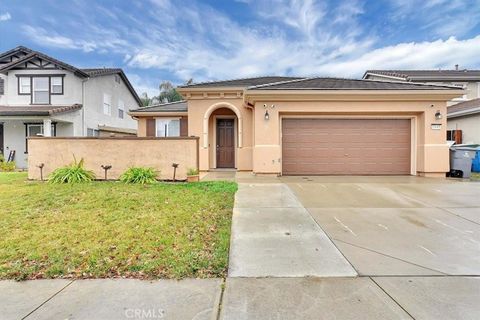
84	128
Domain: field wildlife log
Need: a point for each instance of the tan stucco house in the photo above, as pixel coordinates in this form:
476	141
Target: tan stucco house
300	126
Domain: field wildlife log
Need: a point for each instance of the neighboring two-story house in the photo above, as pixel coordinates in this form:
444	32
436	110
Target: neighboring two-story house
40	95
463	114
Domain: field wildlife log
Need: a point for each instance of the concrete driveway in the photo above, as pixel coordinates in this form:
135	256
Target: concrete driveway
413	245
397	225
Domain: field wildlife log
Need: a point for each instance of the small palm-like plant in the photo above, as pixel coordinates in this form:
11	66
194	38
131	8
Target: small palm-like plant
139	175
73	173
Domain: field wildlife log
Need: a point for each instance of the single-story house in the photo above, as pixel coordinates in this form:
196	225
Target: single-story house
310	126
463	125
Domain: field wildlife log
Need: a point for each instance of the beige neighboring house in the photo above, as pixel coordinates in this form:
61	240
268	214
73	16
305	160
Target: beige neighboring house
40	95
463	118
303	126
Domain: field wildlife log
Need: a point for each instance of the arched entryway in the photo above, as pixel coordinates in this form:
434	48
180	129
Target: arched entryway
222	135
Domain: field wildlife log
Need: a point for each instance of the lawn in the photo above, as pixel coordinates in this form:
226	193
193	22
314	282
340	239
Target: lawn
109	229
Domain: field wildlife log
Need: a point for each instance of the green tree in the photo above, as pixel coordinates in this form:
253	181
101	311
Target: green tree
168	93
146	101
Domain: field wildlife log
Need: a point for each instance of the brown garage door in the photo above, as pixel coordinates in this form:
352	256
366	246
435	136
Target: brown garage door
346	146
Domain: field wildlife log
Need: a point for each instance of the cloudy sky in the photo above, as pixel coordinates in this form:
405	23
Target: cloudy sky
155	40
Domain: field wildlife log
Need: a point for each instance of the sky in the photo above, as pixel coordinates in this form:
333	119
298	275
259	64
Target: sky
177	40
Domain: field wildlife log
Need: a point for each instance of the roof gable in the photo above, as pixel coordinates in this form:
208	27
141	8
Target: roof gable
99	72
38	60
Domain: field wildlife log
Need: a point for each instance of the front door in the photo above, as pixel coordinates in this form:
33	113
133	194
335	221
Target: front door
225	143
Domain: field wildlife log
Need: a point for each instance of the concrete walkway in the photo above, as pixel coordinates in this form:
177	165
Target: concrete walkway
274	236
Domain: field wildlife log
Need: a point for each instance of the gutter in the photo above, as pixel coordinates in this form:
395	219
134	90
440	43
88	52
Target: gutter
463	113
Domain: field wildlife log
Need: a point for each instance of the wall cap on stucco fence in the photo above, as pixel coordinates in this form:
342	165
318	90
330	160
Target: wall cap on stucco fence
116	138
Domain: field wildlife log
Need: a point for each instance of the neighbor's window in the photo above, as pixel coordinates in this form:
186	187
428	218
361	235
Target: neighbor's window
92	132
24	85
107	104
56	84
41	94
167	127
121	109
36	129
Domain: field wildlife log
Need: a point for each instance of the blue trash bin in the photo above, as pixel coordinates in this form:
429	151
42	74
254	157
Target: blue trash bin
476	162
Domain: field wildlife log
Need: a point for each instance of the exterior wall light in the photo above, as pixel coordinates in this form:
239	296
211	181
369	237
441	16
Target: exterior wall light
267	115
438	115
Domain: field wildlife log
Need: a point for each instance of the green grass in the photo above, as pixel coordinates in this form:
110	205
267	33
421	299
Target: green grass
110	229
475	176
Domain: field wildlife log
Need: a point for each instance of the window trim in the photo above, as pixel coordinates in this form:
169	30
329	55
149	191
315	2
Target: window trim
167	119
53	93
32	92
19	86
110	105
49	76
27	124
121	107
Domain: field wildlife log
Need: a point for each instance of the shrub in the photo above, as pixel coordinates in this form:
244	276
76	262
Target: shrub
192	172
73	173
6	166
139	175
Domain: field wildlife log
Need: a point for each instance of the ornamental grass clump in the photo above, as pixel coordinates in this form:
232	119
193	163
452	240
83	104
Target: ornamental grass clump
73	173
139	175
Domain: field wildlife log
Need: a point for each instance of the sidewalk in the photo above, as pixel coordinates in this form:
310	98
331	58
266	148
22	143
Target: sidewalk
243	298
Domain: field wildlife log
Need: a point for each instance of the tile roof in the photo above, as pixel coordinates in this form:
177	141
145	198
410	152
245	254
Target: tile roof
320	83
94	72
245	82
463	108
177	106
30	110
412	75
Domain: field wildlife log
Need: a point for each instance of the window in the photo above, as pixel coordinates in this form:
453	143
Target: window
121	109
107	104
36	129
40	87
24	85
56	85
41	94
117	78
167	127
92	132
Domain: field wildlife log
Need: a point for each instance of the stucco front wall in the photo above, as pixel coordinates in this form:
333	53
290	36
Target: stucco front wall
429	148
120	153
